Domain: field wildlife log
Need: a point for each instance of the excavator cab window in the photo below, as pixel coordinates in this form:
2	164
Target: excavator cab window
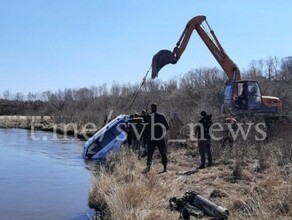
254	96
248	95
228	96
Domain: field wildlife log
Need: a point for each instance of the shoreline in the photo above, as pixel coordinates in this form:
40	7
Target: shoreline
44	123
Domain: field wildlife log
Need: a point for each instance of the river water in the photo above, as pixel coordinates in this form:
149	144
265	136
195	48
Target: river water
42	176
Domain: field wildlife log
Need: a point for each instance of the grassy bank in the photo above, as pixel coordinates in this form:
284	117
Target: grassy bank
45	123
253	183
22	121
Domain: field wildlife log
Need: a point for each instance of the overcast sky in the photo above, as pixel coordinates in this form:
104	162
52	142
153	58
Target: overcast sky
58	44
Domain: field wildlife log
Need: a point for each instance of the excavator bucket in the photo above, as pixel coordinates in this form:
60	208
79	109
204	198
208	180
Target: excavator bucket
159	60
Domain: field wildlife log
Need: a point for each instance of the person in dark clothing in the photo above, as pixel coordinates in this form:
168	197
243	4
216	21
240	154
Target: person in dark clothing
144	115
242	99
156	130
129	134
136	130
204	139
175	125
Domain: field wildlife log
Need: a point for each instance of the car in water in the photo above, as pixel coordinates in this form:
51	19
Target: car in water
107	139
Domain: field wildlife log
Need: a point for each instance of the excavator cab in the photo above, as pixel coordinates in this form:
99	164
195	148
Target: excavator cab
242	96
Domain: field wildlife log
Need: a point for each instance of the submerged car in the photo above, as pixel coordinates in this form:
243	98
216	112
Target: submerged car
108	138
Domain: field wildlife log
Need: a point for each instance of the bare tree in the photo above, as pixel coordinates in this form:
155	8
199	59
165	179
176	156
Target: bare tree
19	97
7	95
272	67
286	68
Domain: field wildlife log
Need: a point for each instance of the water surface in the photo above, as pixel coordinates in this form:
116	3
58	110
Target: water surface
42	176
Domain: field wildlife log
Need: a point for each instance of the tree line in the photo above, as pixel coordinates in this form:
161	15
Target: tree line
199	89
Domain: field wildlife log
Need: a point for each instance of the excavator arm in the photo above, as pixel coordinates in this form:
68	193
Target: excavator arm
165	57
254	102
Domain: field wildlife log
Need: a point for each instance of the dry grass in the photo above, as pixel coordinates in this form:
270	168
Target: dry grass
262	189
22	121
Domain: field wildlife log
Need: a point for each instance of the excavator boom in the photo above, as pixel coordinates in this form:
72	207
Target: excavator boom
165	57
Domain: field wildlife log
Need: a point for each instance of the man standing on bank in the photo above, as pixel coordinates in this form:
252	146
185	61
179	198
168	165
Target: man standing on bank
156	129
204	139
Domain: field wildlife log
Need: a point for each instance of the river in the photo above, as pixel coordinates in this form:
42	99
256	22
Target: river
42	176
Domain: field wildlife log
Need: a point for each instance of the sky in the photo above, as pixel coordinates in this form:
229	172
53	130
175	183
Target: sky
58	44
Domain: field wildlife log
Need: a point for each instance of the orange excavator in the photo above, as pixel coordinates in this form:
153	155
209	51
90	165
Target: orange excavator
241	97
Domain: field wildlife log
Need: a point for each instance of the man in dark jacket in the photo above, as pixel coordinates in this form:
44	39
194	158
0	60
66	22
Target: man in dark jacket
144	115
156	130
204	139
136	130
